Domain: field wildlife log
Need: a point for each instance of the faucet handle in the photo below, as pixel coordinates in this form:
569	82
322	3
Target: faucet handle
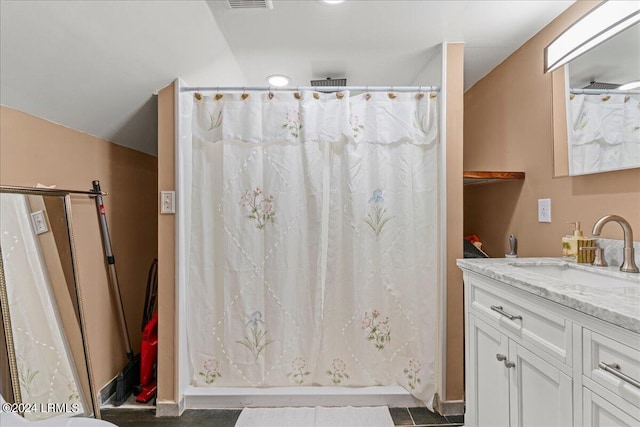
599	255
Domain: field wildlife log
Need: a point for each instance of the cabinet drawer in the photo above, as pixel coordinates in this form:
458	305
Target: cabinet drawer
524	319
599	412
622	375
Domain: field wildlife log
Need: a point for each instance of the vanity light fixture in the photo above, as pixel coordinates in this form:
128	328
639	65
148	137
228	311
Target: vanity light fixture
332	2
630	85
601	23
278	80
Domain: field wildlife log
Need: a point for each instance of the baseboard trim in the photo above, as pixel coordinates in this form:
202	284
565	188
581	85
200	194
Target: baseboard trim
241	397
107	391
448	407
182	405
169	408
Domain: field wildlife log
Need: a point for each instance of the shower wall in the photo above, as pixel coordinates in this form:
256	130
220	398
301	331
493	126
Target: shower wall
453	88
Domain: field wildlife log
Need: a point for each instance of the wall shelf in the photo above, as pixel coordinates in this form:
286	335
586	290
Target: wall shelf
487	177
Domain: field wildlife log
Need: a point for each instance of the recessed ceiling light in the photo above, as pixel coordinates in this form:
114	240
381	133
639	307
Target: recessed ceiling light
333	1
278	80
630	85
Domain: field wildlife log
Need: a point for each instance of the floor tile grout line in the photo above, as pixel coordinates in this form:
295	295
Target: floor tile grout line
411	416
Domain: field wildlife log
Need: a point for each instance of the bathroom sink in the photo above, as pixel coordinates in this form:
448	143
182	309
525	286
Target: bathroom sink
568	273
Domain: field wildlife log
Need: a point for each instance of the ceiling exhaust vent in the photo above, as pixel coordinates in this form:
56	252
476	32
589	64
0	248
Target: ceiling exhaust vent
250	4
601	85
328	82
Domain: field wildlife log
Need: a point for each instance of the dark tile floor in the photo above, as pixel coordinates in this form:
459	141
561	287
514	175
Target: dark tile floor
227	418
422	417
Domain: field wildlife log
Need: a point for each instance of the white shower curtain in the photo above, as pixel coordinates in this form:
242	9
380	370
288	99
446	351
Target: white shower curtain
313	240
604	133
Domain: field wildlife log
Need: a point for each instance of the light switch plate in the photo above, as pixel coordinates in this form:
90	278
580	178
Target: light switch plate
544	210
39	222
167	202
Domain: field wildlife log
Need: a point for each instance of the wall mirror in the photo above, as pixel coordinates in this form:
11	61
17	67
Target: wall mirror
596	118
42	318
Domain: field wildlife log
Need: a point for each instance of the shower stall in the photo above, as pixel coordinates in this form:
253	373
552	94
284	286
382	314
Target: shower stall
309	264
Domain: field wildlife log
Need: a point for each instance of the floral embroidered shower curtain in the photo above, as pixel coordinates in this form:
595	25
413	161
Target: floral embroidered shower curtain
313	243
604	132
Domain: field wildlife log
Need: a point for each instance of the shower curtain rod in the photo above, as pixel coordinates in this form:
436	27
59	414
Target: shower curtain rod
314	88
50	191
602	91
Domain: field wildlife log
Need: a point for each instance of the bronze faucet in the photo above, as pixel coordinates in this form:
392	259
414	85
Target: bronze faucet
628	256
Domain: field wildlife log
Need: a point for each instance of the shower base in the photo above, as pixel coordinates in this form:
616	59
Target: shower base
240	397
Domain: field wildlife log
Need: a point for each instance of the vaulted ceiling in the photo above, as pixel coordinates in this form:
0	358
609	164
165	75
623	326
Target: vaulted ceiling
95	65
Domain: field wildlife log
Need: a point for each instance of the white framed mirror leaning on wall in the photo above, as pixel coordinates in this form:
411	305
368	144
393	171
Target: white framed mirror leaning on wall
596	93
42	319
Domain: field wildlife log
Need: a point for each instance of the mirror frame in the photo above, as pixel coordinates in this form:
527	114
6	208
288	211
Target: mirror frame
559	116
559	92
8	336
4	302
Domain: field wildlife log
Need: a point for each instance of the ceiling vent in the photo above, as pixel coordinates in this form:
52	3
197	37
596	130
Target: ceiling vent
328	82
250	4
601	85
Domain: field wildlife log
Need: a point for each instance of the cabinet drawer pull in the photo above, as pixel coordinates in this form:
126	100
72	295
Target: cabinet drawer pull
613	369
501	357
499	309
509	364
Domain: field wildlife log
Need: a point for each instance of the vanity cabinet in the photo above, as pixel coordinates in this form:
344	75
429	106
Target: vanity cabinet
511	386
611	369
487	390
600	412
511	379
533	362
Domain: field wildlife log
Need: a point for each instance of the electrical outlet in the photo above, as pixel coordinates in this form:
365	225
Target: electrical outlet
39	222
167	202
544	210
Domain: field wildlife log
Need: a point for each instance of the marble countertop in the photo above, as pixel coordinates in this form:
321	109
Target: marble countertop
619	305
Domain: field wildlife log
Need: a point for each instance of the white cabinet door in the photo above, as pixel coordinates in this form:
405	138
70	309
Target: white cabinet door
487	377
598	412
541	395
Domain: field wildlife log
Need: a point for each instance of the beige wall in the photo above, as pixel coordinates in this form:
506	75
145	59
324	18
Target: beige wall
167	369
508	126
454	132
33	150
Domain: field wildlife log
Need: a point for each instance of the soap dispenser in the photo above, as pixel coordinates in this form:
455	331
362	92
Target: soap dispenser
571	245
